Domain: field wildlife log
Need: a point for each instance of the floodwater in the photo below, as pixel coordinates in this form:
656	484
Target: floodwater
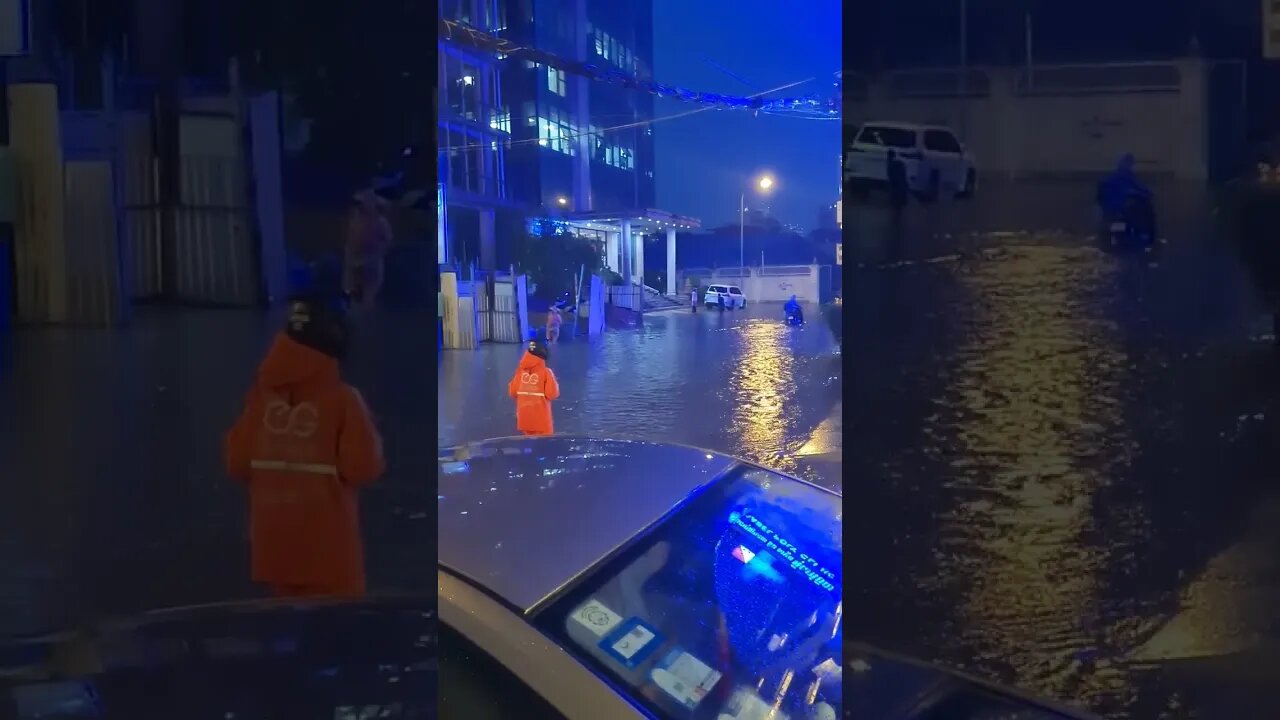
112	495
1060	470
738	382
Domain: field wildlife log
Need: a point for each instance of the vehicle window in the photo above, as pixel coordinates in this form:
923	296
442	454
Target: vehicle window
475	686
734	291
716	289
887	136
941	141
730	607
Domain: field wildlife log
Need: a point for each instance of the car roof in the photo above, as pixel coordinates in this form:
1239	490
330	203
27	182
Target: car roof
523	517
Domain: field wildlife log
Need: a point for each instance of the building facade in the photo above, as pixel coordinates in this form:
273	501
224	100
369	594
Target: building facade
517	136
581	145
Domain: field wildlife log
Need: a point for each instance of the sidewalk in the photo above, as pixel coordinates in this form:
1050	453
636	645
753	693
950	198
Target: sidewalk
823	454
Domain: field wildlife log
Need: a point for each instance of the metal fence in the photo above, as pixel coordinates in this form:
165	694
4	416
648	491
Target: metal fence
497	313
1092	79
784	270
630	297
1035	80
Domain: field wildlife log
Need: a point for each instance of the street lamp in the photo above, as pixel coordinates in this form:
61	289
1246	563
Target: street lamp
763	184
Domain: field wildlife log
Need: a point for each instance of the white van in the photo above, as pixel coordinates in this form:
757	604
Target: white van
935	159
734	298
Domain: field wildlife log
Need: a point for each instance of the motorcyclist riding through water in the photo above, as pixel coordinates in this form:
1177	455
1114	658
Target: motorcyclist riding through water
1122	197
795	313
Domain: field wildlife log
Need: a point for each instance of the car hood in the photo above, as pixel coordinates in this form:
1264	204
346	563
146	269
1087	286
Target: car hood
522	517
269	659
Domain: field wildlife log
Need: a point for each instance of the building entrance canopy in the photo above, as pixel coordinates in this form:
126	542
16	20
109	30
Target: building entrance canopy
624	233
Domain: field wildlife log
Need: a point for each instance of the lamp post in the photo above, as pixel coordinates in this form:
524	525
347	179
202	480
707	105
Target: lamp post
763	184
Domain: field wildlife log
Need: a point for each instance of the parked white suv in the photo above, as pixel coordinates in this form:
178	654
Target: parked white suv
935	159
733	296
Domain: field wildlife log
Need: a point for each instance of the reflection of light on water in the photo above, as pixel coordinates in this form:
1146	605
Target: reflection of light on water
1028	411
759	376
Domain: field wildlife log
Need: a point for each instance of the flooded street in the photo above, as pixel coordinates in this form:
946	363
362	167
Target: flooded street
739	382
113	499
1059	460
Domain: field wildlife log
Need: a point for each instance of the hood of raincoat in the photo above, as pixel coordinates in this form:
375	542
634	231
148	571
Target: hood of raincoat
289	362
531	361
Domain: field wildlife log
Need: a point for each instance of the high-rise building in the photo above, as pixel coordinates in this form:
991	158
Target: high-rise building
473	129
548	142
580	144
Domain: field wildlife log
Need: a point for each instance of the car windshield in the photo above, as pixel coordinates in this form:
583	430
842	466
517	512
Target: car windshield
715	289
730	607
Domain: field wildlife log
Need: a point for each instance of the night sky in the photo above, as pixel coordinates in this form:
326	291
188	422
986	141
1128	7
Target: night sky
705	161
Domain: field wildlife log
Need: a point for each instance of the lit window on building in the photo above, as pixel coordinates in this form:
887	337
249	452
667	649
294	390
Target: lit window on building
615	52
462	91
618	156
557	133
555	80
500	120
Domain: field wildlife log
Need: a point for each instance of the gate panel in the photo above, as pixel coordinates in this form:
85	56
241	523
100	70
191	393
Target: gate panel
214	250
214	253
504	317
94	293
484	313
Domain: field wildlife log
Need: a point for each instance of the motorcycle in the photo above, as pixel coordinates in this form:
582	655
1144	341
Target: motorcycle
565	304
795	317
1131	226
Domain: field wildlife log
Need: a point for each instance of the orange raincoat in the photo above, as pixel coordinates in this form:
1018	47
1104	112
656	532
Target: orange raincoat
533	387
304	444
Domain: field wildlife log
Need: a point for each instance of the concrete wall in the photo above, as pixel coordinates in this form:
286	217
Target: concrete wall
773	283
1062	121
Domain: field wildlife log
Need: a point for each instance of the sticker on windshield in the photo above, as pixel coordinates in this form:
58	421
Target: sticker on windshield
597	617
684	677
632	642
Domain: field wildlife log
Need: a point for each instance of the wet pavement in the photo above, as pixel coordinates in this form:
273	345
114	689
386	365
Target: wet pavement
112	496
739	382
1059	470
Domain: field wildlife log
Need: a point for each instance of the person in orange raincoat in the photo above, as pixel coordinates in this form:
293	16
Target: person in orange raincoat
533	387
304	444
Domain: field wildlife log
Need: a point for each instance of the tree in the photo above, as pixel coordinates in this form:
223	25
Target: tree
553	261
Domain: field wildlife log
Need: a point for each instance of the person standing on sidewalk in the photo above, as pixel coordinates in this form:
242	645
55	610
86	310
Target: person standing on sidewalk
534	387
693	299
554	320
304	444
